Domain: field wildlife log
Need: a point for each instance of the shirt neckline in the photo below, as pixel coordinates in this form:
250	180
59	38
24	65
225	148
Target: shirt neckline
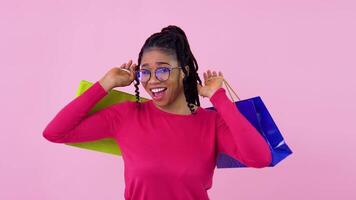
164	113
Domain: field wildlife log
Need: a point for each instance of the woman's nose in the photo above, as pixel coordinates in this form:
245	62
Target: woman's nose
153	79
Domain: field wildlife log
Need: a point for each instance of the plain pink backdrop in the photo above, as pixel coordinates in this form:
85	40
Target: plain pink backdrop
299	56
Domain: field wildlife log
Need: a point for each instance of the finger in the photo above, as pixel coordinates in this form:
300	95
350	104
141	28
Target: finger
214	73
129	63
132	70
132	64
209	74
205	76
220	73
126	70
123	66
132	67
199	88
136	67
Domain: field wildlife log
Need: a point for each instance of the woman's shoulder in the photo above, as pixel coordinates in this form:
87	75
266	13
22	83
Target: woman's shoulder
210	113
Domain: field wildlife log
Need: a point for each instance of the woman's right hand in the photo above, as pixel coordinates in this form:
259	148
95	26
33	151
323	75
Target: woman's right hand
119	76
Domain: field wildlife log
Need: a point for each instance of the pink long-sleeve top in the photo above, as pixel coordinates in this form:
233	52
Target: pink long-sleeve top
166	155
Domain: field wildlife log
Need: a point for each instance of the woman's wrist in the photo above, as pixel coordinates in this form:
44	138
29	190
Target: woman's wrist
106	84
214	93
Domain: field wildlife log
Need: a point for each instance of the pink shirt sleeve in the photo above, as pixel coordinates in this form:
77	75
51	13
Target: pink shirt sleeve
236	136
73	123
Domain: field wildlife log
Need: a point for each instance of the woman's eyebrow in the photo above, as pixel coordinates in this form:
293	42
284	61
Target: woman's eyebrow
158	63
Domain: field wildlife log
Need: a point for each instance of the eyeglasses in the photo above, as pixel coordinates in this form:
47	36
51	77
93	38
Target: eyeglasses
161	73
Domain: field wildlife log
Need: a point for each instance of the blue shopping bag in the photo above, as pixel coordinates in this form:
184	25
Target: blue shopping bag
257	114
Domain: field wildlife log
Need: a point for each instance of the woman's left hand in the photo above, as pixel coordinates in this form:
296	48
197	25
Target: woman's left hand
212	82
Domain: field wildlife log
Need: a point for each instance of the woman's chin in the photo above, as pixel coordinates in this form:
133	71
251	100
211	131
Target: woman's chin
160	103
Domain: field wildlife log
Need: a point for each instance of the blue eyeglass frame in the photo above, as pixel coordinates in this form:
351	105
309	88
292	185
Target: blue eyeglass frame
158	68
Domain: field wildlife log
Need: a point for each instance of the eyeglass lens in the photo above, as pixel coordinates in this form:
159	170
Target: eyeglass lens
161	73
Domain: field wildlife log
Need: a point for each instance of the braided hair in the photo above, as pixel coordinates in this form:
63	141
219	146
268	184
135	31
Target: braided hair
173	40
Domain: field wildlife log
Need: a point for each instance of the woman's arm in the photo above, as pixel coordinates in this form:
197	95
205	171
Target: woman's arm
236	136
74	124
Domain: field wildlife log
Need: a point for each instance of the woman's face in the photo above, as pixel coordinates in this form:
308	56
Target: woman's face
172	87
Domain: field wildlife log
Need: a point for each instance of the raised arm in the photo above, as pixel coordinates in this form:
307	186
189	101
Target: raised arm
74	124
236	136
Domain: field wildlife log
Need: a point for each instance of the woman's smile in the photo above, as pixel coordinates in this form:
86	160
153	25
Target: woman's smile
158	93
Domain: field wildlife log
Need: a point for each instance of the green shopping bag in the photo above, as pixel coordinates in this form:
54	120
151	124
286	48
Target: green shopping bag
107	145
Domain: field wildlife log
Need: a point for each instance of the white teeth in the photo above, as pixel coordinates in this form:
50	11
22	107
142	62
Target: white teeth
157	89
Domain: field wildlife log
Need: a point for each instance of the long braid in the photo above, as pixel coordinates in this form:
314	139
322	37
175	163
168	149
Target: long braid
137	82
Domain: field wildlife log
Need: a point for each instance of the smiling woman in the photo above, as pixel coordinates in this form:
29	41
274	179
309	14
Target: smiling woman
170	47
161	74
169	144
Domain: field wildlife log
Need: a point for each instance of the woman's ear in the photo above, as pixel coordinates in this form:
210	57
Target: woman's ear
186	68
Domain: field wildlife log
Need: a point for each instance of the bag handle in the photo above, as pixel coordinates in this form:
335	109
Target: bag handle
228	87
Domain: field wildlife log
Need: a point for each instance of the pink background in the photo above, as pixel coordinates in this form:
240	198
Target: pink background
299	56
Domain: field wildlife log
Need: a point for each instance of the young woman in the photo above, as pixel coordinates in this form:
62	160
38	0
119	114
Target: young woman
169	144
